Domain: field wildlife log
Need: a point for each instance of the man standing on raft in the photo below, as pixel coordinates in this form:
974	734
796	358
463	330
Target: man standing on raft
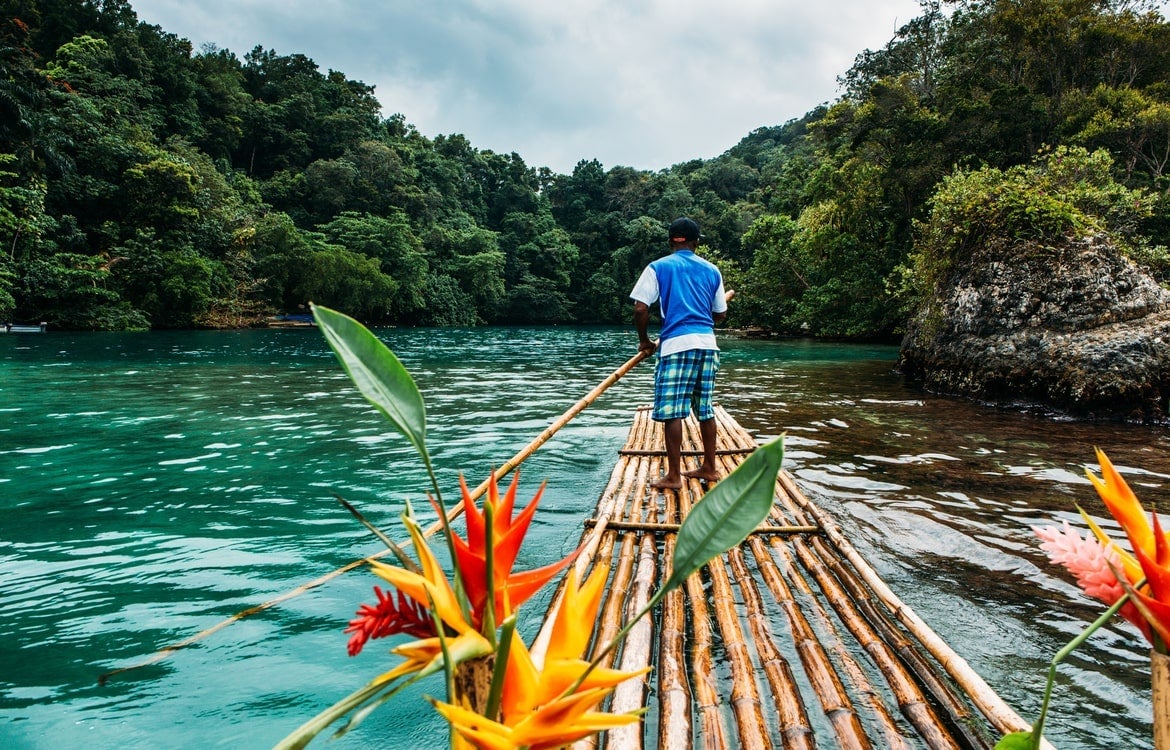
690	293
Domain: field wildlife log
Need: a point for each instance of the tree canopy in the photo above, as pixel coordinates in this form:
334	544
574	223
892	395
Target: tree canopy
144	184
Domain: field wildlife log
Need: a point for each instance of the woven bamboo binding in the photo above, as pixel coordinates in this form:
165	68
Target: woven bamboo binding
791	640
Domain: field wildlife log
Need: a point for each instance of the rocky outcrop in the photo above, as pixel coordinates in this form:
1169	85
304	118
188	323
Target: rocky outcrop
1076	327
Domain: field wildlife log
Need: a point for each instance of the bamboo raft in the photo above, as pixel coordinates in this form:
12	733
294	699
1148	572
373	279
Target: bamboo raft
789	640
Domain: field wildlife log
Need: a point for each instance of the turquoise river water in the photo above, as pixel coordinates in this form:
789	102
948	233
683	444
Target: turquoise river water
152	485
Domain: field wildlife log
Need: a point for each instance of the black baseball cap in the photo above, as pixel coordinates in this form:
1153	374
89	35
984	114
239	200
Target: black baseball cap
684	229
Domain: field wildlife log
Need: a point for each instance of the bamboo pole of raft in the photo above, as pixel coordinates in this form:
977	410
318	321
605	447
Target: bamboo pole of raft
598	543
817	666
637	582
745	701
625	511
745	694
982	696
775	578
874	622
919	711
674	692
795	729
662	528
827	686
711	729
844	719
452	514
989	703
636	651
612	615
910	697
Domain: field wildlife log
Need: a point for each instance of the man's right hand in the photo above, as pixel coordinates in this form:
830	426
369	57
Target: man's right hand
647	346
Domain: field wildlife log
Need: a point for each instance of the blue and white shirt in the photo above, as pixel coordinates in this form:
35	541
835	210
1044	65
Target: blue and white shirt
689	290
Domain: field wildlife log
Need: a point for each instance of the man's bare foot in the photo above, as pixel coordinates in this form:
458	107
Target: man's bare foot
703	475
667	483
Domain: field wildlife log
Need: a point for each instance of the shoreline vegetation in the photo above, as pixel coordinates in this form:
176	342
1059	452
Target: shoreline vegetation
148	185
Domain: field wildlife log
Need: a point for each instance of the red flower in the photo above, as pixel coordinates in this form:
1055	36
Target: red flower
388	618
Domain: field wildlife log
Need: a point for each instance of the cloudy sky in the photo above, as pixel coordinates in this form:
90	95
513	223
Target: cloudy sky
639	83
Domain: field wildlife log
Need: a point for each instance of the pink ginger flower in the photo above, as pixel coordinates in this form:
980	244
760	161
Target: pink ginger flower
1089	560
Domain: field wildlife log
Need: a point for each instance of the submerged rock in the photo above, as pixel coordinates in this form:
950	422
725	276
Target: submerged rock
1077	327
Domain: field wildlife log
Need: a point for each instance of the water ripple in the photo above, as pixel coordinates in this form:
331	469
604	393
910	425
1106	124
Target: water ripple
155	484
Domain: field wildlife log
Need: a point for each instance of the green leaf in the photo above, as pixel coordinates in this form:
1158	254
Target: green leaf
727	514
305	733
1015	741
377	373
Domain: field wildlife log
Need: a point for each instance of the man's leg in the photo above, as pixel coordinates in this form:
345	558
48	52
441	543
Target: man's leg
709	471
703	406
672	431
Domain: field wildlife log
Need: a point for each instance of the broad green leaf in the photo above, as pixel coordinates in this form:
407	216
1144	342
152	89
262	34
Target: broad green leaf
377	373
1016	741
727	514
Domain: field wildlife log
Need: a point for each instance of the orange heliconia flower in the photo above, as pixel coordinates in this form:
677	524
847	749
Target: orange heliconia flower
507	534
1151	548
538	710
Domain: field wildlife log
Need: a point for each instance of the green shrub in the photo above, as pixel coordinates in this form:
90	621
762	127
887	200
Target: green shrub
1063	192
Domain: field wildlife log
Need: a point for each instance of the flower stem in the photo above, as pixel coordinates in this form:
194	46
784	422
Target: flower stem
489	546
501	667
1038	727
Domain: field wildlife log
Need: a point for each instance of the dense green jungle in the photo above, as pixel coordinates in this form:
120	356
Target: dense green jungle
144	184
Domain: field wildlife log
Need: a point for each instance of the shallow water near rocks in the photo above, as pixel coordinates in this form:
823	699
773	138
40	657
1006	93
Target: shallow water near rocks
153	485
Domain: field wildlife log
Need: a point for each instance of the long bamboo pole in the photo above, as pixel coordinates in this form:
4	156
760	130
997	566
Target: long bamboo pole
745	695
636	650
452	514
675	726
827	686
848	605
987	700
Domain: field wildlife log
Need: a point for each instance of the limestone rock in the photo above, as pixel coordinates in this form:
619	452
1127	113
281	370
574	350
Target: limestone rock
1077	327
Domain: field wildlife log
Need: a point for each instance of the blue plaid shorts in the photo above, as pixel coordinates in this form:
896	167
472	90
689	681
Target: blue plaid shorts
684	381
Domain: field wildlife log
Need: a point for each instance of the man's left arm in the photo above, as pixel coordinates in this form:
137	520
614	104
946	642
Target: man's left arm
642	324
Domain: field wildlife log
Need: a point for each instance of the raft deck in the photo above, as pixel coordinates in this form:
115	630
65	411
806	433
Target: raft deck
789	640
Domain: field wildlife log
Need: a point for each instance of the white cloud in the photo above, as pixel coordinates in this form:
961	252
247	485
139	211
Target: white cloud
643	83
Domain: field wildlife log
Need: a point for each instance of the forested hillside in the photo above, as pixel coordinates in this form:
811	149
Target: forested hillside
144	184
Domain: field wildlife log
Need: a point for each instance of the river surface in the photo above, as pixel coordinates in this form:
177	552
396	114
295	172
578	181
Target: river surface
152	485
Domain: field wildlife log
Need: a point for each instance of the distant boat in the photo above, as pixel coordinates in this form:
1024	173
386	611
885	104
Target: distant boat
29	328
296	320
